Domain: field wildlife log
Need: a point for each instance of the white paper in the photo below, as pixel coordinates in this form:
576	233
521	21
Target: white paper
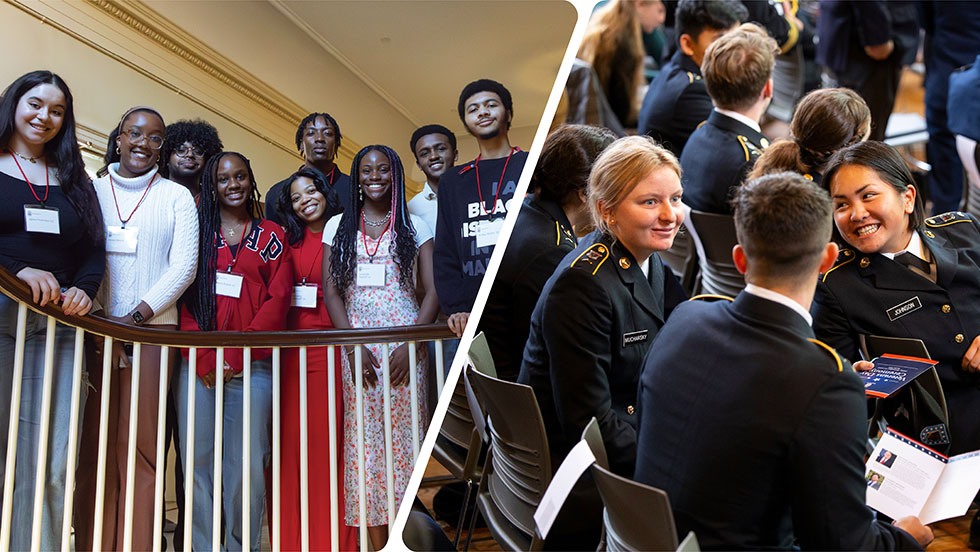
370	274
228	284
578	460
304	296
955	489
919	482
43	220
122	240
487	232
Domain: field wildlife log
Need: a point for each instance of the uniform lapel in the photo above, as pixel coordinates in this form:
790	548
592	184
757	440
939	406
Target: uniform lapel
641	288
887	274
944	257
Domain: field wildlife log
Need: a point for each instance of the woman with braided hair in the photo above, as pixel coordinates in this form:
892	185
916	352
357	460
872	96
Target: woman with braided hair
375	256
244	283
825	121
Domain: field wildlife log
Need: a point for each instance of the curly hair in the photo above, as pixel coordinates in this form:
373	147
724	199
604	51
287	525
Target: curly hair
200	297
343	254
292	224
200	133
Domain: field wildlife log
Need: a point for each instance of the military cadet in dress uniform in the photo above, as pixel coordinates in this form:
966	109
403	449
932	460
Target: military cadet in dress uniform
676	101
599	312
738	75
546	230
904	278
754	428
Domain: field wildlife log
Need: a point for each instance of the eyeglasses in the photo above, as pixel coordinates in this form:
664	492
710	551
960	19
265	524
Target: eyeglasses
155	141
184	151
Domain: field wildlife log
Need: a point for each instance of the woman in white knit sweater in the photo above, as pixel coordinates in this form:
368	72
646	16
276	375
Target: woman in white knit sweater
151	257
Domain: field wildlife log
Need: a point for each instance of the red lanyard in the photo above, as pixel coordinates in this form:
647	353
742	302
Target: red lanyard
364	237
47	180
112	186
330	176
238	252
319	252
500	183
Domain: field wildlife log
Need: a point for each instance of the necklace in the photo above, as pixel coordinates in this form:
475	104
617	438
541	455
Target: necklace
231	230
378	223
24	157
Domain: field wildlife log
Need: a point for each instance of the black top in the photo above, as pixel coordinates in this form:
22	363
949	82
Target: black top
716	159
756	433
675	104
70	256
458	264
341	186
541	238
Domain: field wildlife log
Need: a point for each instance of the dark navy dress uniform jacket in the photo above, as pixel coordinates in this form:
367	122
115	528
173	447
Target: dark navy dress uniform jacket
871	294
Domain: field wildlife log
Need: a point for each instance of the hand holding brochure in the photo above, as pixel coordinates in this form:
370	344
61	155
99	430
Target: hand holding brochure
891	373
905	477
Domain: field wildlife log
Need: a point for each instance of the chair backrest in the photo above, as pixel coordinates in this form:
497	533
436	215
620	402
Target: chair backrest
682	259
519	466
593	437
457	426
714	238
923	398
637	516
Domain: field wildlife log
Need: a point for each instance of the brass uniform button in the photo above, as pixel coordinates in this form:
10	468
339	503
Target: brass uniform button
625	263
929	234
946	309
865	262
959	338
600	249
630	410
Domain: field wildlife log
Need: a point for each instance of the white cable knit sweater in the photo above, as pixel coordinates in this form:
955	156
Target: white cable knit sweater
166	255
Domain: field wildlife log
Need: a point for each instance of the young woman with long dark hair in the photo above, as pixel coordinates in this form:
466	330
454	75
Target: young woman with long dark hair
51	238
244	282
378	255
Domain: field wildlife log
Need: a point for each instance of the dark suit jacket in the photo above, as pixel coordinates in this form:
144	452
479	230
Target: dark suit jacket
716	160
541	238
756	433
591	327
675	103
870	294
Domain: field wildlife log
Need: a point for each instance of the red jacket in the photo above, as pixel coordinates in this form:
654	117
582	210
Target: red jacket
263	261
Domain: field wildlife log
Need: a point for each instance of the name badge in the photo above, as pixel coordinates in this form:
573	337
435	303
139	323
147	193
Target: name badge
370	274
122	240
228	284
304	296
902	309
40	219
633	338
487	232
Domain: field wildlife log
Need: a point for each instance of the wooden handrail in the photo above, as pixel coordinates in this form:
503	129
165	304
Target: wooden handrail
11	286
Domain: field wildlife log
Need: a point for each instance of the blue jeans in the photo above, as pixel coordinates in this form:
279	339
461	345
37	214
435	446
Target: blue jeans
231	468
53	510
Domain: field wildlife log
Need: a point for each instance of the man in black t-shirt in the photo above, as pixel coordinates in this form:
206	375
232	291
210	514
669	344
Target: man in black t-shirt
474	198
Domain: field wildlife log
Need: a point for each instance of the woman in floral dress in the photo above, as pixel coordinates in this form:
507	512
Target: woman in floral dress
376	255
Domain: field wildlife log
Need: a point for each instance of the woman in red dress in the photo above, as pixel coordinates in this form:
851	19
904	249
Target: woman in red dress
307	203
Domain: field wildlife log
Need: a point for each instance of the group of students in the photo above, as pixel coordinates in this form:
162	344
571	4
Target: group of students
743	411
747	412
172	234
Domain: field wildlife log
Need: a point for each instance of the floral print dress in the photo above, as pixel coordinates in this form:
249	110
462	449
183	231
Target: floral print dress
379	306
